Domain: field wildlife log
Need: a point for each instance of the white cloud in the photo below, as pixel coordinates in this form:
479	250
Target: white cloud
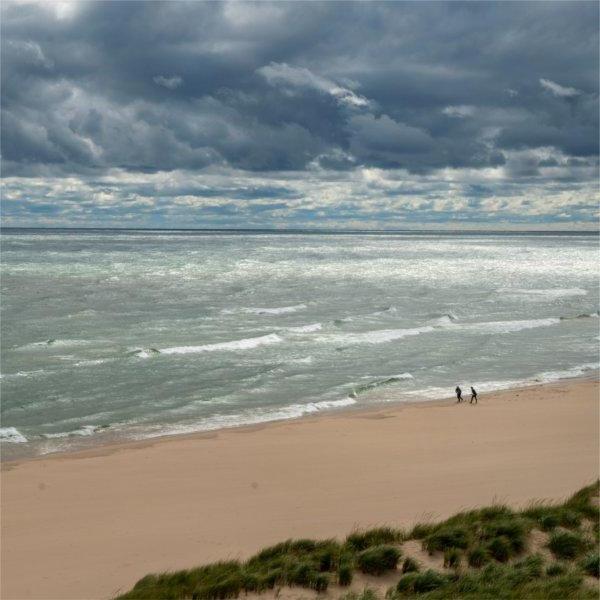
170	83
559	90
460	112
282	73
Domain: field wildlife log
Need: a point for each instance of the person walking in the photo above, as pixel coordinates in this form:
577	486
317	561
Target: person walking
473	395
458	394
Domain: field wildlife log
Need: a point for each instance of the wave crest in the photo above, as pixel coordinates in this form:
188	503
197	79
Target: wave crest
12	434
244	344
366	387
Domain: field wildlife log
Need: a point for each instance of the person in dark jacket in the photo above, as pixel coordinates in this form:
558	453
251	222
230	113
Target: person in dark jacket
473	395
458	394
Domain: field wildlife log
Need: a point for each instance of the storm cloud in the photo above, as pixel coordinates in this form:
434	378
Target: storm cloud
298	114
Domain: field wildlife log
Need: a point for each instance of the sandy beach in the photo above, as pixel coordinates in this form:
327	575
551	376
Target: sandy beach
90	524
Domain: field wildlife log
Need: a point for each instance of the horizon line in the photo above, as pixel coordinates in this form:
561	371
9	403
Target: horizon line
300	229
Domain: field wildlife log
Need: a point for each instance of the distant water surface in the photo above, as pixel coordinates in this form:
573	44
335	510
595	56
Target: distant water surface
110	335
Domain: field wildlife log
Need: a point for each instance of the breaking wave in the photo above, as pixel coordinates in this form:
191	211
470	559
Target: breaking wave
505	326
244	344
83	431
54	343
366	387
539	295
279	310
305	328
378	336
250	417
12	434
437	393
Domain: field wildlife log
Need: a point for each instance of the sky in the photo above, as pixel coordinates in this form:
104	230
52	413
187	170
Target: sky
337	115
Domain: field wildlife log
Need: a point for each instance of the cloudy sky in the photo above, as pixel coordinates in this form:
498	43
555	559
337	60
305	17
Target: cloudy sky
332	115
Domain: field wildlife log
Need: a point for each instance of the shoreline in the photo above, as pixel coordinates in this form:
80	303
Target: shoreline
96	521
100	447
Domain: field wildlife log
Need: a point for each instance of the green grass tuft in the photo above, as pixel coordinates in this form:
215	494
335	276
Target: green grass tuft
418	583
366	594
499	548
320	582
345	573
361	540
478	556
452	557
566	544
378	559
410	565
591	564
445	538
556	569
422	530
514	531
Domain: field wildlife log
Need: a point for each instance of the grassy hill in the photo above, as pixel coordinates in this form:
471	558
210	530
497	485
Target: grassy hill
545	551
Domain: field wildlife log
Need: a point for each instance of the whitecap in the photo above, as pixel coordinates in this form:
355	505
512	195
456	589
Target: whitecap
306	328
278	310
144	352
83	431
243	344
35	373
53	343
539	295
505	326
12	434
307	360
91	362
378	336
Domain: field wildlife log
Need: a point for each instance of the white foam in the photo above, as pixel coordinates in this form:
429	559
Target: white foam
91	363
145	352
51	343
378	336
244	344
549	376
24	374
306	328
436	393
284	413
445	320
539	295
83	431
504	326
307	360
402	376
279	310
12	434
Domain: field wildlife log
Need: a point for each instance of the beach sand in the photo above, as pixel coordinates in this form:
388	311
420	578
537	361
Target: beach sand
90	524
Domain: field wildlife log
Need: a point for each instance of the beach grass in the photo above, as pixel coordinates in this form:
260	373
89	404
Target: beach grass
410	565
487	553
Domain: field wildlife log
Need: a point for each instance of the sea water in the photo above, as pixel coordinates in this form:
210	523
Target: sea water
116	335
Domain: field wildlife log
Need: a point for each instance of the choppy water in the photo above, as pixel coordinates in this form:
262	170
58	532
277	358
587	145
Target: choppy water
109	335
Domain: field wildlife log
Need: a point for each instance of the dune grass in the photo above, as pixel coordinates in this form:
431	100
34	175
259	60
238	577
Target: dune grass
485	552
378	559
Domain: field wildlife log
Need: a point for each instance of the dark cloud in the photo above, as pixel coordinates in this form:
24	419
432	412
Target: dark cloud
263	86
269	87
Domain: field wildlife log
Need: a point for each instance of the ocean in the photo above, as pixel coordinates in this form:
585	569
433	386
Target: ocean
113	335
